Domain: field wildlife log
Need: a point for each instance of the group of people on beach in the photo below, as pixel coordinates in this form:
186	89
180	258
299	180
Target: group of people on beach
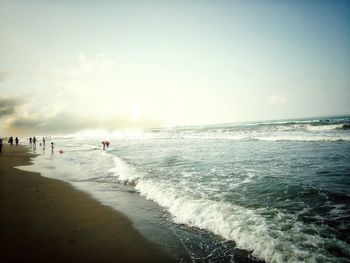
33	142
10	141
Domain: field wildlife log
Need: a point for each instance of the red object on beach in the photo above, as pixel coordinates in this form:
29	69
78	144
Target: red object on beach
61	151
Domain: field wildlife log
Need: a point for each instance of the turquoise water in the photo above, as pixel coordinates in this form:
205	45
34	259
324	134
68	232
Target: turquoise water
279	190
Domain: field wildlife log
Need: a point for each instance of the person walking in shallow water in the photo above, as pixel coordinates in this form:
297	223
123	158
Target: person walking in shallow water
105	144
34	141
11	141
30	140
16	140
0	145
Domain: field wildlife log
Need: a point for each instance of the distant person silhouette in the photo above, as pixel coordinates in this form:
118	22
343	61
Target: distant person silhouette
30	140
34	140
0	145
105	144
16	140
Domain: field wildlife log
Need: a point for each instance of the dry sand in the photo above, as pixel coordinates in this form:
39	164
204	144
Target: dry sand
46	220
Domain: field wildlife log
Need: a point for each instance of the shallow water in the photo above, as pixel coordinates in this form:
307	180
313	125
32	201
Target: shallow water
280	190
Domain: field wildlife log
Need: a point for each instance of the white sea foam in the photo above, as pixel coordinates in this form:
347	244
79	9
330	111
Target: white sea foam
329	127
125	173
308	138
245	226
217	135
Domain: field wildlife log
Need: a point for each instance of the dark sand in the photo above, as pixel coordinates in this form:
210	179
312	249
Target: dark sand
46	220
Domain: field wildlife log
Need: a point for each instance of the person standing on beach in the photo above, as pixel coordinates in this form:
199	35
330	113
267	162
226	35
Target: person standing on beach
30	140
44	142
16	140
11	141
34	141
0	145
52	147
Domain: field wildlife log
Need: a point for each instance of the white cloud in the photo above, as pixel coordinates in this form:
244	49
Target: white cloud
89	93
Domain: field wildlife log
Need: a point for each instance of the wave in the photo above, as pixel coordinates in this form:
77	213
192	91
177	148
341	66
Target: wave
272	137
125	173
301	138
315	133
246	227
216	136
282	125
329	127
345	126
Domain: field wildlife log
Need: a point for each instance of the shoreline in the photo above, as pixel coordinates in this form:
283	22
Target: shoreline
44	219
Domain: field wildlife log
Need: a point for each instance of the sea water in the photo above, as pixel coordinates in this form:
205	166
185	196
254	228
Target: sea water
279	190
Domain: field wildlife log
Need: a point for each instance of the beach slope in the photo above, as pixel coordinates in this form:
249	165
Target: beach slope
46	220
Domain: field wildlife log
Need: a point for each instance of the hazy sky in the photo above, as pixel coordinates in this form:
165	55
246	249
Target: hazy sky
72	65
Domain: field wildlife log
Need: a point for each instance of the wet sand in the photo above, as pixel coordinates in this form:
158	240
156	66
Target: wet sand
46	220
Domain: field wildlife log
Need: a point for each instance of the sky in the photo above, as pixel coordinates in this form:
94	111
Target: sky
67	66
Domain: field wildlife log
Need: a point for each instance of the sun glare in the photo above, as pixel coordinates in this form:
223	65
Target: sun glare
135	112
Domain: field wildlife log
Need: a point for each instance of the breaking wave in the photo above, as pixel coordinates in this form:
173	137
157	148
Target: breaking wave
281	238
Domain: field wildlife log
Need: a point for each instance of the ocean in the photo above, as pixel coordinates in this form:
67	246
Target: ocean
274	191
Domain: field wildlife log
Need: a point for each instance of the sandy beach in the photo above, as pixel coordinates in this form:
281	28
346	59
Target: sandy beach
46	220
